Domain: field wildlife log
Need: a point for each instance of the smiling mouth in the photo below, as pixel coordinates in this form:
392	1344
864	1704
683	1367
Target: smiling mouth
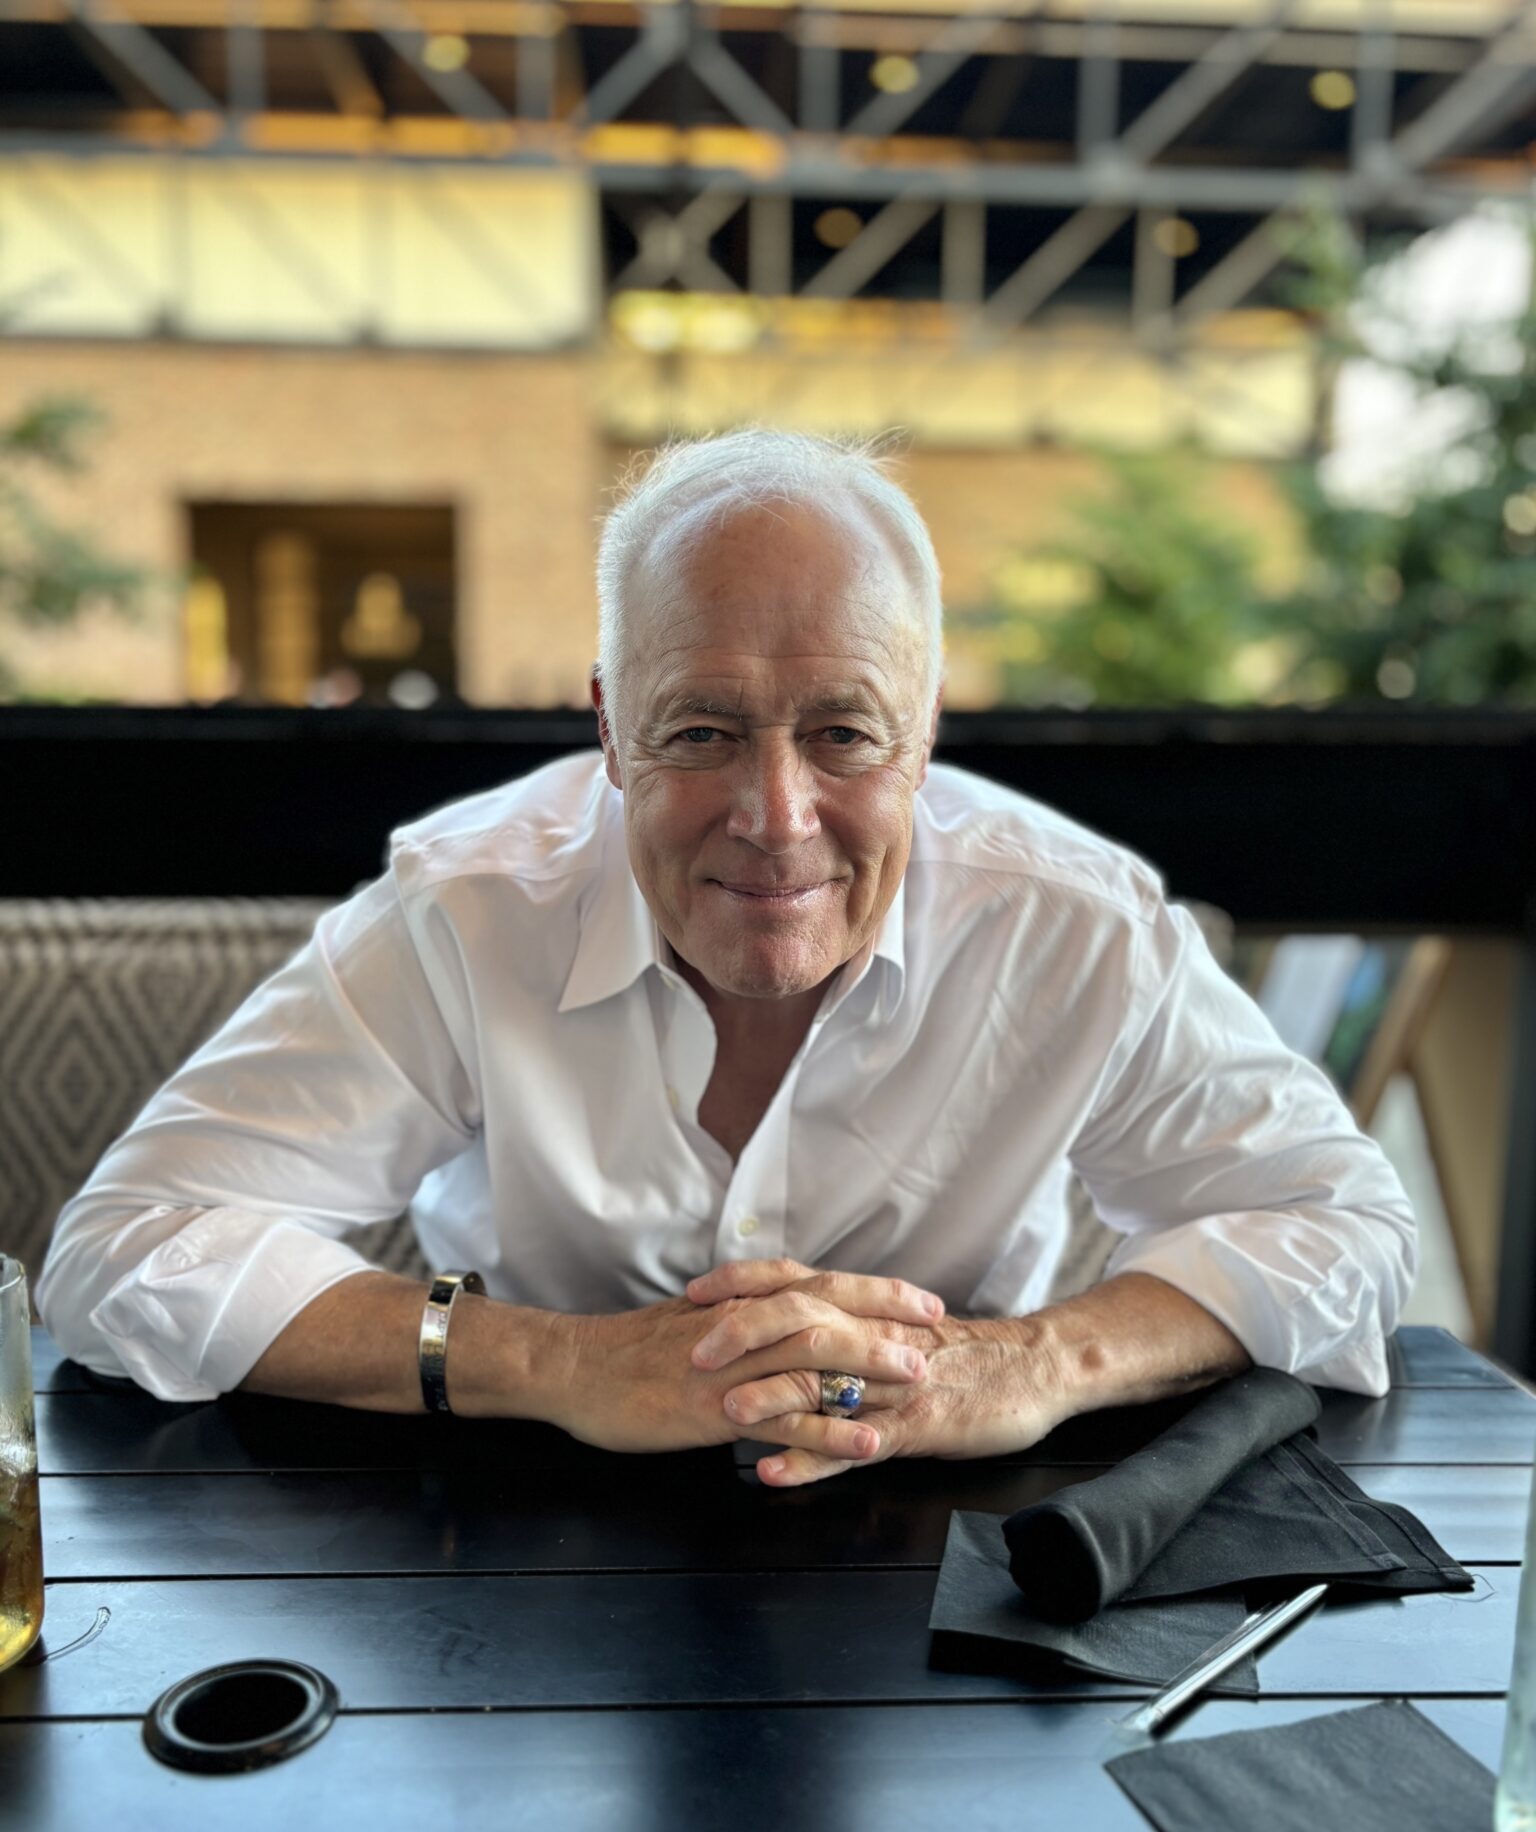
768	893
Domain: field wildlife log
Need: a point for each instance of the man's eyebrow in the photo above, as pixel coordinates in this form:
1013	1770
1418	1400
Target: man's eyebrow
852	700
694	705
855	700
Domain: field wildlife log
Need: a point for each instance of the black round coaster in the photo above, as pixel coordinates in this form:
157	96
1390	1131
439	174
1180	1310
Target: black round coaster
248	1714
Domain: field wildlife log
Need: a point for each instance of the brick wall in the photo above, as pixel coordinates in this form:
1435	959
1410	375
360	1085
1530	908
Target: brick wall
508	440
513	442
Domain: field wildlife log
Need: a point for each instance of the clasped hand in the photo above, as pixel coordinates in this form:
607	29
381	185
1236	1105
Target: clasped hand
741	1357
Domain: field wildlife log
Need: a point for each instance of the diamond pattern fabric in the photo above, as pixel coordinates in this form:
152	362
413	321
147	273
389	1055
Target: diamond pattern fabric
100	1001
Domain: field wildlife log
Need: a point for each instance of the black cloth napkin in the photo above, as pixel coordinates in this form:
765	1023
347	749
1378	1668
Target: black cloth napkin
1382	1768
1167	1551
1235	1493
1084	1547
980	1624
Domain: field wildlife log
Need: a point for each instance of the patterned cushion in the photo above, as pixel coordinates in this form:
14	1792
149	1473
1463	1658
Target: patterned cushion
100	1001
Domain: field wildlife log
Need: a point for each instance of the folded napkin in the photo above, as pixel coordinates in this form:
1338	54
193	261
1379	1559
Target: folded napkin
1381	1768
980	1625
1083	1548
1117	1576
1233	1494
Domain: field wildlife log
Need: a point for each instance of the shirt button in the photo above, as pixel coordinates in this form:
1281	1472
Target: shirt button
747	1225
672	1096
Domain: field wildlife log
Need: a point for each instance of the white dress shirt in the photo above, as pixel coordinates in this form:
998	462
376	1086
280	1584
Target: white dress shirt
495	1035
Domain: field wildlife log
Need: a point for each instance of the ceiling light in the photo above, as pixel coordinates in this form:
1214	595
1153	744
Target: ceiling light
1333	89
1175	238
895	75
445	51
836	228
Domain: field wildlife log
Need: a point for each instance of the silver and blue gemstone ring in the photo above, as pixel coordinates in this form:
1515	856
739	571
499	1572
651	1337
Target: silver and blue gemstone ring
841	1394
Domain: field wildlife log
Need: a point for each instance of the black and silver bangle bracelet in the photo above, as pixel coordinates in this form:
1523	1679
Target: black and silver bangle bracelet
434	1334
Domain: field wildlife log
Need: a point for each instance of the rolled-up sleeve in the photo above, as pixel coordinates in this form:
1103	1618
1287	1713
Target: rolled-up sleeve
222	1211
1237	1174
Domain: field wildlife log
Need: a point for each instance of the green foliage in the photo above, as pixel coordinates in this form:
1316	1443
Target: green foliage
1434	599
1430	599
49	572
1152	601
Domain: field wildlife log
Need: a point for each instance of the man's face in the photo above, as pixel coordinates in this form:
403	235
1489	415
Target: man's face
772	736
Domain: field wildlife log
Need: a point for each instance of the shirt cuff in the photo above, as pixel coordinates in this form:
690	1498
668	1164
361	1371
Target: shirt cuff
1322	1325
192	1319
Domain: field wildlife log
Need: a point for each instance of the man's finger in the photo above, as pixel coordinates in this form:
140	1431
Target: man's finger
746	1279
798	1392
816	1334
802	1461
863	1295
851	1440
848	1440
860	1294
794	1468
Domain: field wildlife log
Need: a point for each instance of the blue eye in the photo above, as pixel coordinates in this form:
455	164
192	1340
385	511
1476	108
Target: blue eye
699	734
842	735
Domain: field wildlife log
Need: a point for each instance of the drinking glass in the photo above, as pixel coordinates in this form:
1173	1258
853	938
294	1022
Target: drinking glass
1514	1807
21	1539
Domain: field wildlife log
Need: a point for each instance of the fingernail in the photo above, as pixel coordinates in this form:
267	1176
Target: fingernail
774	1467
866	1443
704	1352
911	1361
933	1306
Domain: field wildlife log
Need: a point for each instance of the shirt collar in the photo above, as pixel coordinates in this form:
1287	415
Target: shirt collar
618	937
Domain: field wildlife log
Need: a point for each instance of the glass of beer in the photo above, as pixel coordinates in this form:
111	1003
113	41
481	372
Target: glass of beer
21	1539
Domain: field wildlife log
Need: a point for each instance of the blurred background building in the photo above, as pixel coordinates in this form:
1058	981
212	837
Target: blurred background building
374	299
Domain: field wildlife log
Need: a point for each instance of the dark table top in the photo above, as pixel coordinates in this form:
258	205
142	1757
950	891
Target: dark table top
524	1630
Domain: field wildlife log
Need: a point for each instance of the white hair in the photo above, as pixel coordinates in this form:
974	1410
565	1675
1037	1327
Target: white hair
747	469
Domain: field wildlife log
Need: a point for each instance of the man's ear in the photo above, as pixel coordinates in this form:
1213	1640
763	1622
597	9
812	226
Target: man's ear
933	735
605	733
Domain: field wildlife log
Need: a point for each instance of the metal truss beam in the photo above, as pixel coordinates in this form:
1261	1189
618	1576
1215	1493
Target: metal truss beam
812	172
1196	89
347	75
143	57
1502	77
1050	267
1098	89
1023	26
1118	171
676	247
459	91
1506	70
245	50
1116	157
951	46
662	40
720	73
1371	123
770	247
1153	281
818	77
964	273
880	238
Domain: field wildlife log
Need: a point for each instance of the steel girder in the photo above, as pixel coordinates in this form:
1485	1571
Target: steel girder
738	133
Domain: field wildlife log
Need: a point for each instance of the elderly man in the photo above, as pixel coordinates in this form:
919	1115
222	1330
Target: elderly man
747	1063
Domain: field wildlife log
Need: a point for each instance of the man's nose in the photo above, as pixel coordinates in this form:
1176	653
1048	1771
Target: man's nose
773	801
